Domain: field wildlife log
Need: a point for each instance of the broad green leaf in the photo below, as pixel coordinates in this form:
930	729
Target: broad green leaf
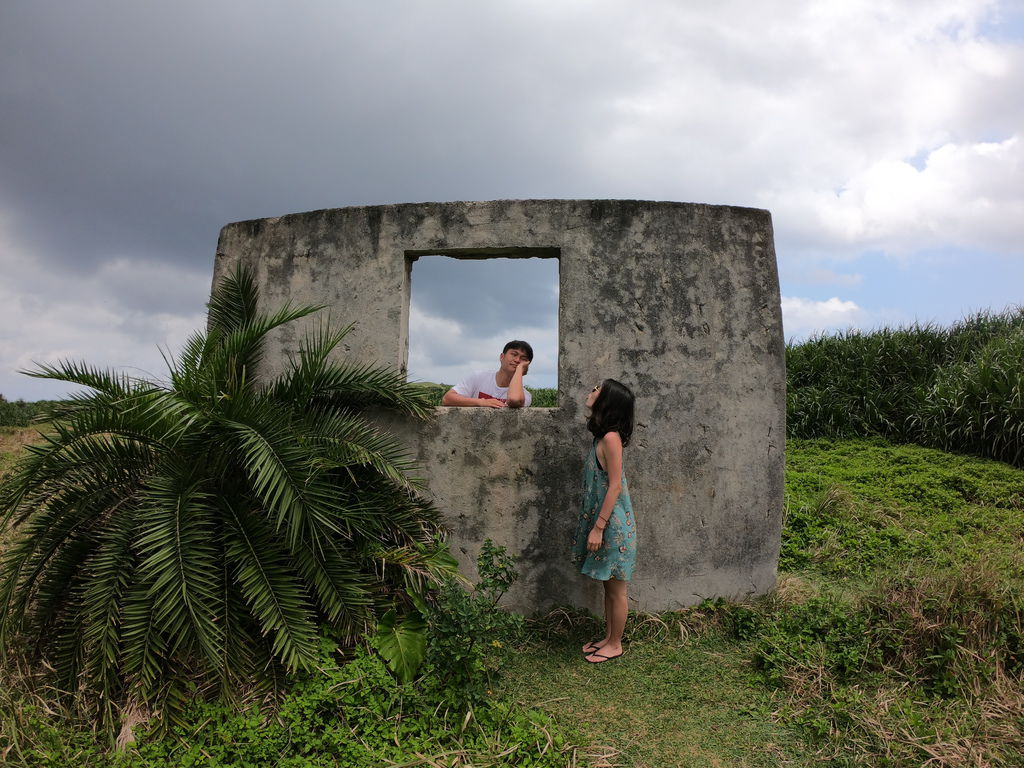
402	642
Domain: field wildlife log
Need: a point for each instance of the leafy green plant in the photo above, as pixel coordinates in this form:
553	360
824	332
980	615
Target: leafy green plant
467	632
358	715
978	405
458	633
19	413
192	536
402	641
959	388
350	712
826	635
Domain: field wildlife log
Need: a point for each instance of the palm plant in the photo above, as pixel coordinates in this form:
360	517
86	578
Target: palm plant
201	532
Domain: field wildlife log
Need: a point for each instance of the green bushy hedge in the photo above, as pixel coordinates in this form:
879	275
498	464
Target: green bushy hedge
19	413
959	388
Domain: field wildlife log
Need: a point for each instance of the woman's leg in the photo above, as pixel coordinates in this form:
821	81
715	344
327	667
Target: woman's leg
616	607
597	645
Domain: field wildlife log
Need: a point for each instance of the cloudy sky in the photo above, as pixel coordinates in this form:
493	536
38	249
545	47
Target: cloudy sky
886	138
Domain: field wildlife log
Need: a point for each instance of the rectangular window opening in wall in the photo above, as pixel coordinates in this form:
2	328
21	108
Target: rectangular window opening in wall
467	304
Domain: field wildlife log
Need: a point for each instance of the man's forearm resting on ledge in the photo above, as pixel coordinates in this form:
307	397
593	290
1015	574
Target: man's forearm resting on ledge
451	397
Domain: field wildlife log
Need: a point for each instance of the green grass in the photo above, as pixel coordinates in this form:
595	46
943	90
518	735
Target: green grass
896	637
855	506
668	701
896	634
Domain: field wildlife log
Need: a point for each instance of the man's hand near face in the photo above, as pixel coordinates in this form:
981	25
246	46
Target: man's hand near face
516	393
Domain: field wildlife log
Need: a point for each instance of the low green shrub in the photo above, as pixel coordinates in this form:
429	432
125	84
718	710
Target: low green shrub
856	506
824	634
468	634
354	713
948	633
909	650
924	663
358	715
19	413
952	632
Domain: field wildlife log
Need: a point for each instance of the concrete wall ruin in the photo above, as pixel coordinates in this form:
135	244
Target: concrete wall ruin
679	301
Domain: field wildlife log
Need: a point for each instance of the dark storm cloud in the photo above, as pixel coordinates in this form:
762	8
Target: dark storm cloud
142	128
131	132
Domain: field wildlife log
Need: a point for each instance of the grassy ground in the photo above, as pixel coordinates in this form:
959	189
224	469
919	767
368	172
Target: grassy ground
669	701
889	642
896	637
11	441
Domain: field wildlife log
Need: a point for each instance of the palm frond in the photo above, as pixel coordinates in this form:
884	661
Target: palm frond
307	367
239	352
112	568
276	466
336	577
344	439
108	382
144	655
234	303
180	552
204	528
418	565
277	598
40	566
358	386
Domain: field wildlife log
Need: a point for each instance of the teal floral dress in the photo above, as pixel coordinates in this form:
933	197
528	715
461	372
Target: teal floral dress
617	555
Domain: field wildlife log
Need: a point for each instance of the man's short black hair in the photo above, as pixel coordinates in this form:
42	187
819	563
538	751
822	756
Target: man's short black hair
522	346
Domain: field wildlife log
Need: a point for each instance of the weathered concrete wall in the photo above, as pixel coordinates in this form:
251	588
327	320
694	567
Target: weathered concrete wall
679	301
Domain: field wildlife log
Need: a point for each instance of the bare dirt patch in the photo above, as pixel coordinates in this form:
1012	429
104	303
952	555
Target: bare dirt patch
13	438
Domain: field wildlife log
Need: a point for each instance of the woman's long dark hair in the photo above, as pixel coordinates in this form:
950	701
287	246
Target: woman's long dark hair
612	411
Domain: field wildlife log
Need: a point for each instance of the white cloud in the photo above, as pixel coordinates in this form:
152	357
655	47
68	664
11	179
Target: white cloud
806	317
433	339
815	112
967	195
113	318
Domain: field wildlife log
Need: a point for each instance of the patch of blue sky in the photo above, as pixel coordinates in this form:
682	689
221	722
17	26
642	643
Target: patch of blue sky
939	286
1005	23
920	160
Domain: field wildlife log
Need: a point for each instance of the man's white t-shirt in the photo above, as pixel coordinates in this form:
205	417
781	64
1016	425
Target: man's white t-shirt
482	385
